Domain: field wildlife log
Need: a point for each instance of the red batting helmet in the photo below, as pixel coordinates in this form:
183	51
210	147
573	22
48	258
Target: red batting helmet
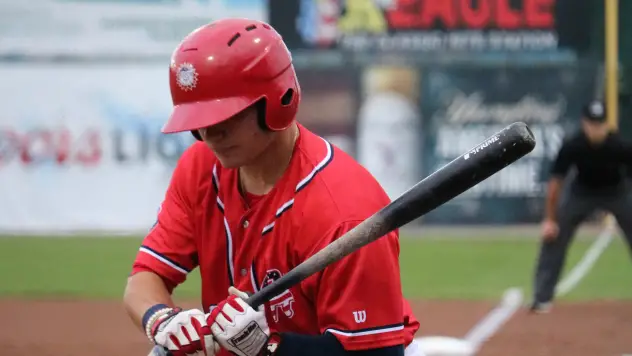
224	67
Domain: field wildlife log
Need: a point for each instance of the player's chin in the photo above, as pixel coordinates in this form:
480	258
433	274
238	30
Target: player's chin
230	161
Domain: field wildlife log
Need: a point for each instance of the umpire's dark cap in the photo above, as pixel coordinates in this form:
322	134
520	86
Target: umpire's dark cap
594	111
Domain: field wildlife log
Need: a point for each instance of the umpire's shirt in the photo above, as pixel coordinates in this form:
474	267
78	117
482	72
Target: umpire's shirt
600	183
599	165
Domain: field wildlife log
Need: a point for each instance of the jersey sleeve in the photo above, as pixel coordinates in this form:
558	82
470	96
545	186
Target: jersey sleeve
563	161
359	298
169	248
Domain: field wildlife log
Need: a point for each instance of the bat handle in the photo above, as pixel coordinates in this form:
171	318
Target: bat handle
255	301
158	350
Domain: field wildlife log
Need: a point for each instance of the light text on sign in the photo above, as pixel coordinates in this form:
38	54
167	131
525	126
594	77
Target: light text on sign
431	25
452	141
471	40
472	108
517	180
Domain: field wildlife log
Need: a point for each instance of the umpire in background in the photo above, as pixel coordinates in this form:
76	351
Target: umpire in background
600	158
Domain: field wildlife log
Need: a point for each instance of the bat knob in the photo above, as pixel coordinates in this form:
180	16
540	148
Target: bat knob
159	351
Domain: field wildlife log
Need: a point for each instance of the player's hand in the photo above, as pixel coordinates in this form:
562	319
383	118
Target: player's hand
183	333
549	230
238	327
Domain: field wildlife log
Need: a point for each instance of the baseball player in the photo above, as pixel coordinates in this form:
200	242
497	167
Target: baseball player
600	158
253	198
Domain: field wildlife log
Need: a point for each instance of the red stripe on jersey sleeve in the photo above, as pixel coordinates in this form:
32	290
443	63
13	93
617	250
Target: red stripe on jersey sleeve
359	298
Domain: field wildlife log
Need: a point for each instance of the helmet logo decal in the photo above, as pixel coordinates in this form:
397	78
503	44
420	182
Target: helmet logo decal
186	76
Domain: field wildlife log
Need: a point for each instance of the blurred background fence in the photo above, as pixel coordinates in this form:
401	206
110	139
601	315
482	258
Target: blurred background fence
402	85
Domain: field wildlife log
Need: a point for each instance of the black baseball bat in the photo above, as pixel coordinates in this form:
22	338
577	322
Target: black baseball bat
484	160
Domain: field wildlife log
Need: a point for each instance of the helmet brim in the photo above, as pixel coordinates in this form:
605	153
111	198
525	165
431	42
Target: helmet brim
196	115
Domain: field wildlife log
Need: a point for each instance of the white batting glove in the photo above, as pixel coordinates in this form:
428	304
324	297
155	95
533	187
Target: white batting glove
237	327
182	332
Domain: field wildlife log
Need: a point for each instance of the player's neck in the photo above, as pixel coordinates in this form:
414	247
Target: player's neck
260	177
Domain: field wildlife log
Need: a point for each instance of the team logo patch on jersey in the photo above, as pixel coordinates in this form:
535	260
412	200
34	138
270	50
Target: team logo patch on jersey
186	76
281	304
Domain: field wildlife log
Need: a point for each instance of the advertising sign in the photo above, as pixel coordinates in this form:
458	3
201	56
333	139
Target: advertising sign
110	28
418	25
84	150
81	147
461	106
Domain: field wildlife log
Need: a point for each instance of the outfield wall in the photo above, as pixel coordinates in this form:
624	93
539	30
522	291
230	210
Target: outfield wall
85	152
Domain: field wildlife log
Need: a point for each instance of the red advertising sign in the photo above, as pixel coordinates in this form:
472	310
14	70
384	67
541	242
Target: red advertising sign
468	14
418	25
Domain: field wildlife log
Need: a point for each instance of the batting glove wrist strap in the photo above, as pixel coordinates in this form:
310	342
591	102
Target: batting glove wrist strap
154	316
151	311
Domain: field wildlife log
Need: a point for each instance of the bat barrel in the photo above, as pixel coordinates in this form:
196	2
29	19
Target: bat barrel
474	166
464	172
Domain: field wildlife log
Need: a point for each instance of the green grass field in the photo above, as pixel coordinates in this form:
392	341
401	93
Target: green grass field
38	267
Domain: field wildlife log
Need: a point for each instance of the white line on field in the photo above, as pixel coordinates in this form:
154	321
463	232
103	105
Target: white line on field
513	297
586	263
491	323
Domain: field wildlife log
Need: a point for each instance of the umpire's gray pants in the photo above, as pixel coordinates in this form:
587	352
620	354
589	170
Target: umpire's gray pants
575	206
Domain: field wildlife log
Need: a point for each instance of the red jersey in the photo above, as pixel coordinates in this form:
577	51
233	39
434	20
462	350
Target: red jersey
205	222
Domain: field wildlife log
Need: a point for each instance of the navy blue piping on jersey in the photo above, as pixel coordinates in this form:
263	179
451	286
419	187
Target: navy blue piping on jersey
229	243
285	207
166	260
267	229
253	276
290	203
302	184
367	331
214	182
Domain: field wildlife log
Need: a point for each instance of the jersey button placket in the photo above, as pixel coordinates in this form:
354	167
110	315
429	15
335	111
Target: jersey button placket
244	223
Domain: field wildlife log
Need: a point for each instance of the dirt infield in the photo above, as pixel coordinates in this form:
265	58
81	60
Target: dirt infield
90	328
580	329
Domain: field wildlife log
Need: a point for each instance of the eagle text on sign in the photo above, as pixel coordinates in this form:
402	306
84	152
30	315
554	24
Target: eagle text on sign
451	14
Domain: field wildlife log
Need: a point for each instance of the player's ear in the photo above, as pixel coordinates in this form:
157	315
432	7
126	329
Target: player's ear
261	114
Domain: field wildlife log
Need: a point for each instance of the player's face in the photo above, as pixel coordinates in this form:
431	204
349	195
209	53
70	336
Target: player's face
237	141
595	131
